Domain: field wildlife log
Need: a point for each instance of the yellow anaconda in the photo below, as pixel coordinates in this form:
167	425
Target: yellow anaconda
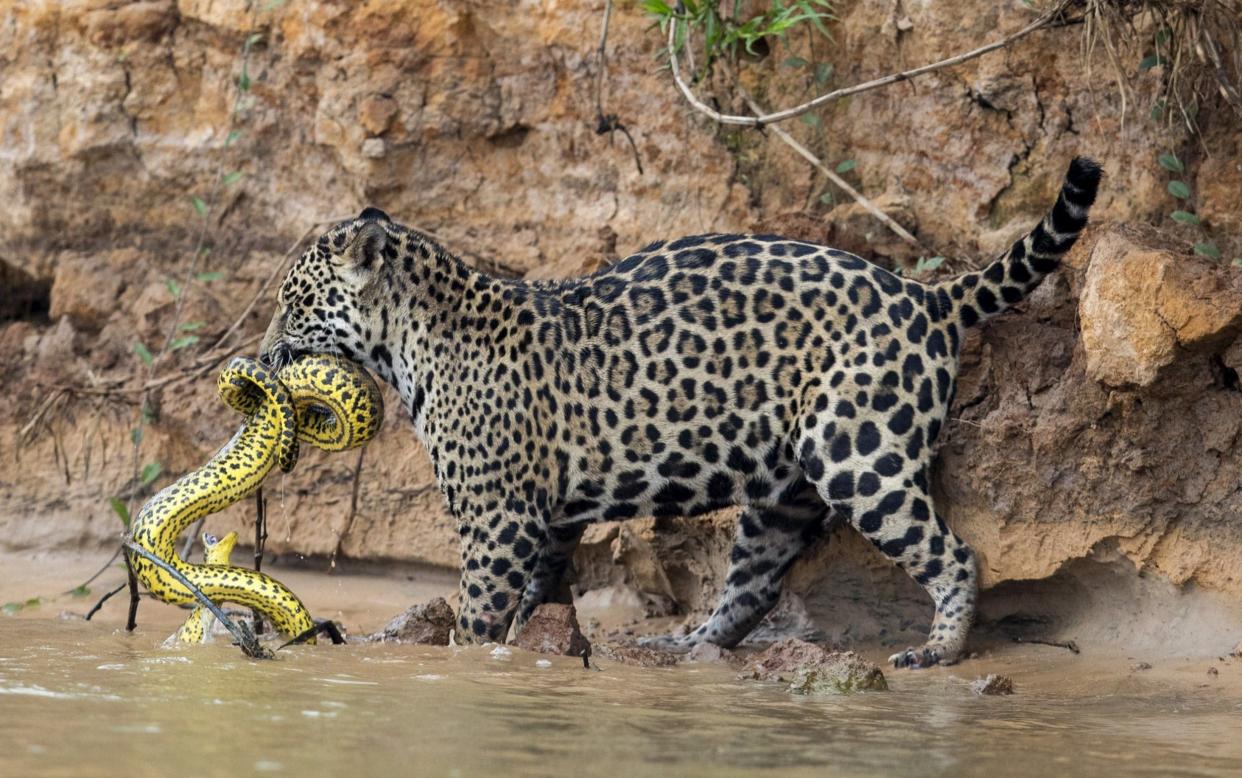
216	551
322	400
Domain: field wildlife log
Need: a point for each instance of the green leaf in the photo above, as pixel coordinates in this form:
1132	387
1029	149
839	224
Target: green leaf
823	72
1237	261
809	119
795	62
1151	60
243	81
135	435
150	472
232	136
927	264
847	166
80	591
118	507
10	608
1184	217
1163	35
33	602
1170	163
143	353
174	288
1207	250
199	206
184	341
191	326
1179	189
253	38
208	277
233	178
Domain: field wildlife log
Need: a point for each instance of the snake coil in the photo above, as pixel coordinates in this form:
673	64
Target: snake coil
322	400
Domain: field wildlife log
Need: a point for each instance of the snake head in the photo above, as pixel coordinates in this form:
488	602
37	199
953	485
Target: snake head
218	550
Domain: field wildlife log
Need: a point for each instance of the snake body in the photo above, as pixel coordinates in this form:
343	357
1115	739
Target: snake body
216	551
322	400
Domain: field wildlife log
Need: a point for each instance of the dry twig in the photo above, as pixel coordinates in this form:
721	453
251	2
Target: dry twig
867	205
608	123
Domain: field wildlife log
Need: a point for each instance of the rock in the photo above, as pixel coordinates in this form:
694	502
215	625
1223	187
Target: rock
1140	666
636	655
993	684
85	290
424	625
811	669
1213	672
850	222
553	629
375	113
1141	304
1237	651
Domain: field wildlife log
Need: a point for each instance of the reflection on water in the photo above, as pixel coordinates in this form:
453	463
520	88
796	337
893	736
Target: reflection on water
81	699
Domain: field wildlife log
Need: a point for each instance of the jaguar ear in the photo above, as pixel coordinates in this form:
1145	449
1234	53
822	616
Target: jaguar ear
366	250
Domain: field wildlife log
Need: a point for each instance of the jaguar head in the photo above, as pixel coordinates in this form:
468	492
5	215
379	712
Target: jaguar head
328	303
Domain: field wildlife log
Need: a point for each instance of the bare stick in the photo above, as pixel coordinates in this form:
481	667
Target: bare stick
836	179
608	123
260	528
260	540
245	639
789	113
131	621
601	58
104	599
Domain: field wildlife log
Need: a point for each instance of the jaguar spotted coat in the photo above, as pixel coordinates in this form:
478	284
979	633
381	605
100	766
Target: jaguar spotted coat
800	382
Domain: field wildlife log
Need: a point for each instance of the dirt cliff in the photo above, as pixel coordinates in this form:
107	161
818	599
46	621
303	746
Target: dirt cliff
1100	421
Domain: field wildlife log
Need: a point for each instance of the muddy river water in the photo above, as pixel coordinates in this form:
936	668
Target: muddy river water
88	699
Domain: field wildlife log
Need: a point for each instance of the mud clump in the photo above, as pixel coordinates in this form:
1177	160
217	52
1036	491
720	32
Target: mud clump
553	629
993	685
811	669
637	656
422	625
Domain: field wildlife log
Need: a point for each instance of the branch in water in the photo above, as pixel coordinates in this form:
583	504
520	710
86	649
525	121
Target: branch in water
246	640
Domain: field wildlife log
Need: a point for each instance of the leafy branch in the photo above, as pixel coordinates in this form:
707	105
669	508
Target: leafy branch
676	31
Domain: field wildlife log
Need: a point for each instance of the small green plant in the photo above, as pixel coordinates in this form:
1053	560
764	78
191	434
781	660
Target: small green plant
724	32
922	266
150	472
122	512
11	608
1181	190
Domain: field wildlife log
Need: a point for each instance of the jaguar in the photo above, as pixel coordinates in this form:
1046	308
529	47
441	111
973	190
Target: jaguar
801	383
